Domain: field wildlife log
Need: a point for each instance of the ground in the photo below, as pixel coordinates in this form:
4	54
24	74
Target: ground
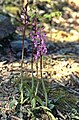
60	66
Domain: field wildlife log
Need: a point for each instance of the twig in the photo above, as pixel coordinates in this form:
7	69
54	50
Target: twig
75	79
15	118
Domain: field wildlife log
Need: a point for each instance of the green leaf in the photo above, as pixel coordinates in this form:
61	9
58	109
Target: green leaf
29	112
28	87
53	14
30	91
48	111
39	100
50	115
36	108
58	14
13	103
48	16
51	106
45	108
33	102
59	97
25	100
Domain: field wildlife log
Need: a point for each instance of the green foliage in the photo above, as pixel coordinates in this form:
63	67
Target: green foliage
52	14
47	111
12	9
73	114
13	103
51	115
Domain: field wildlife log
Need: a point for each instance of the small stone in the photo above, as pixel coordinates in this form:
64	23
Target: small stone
18	55
17	45
16	64
70	20
41	12
50	46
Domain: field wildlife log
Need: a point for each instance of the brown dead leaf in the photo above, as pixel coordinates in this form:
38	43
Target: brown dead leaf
0	103
64	35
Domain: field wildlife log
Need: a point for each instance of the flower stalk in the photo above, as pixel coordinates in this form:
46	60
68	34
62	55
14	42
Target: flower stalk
24	20
42	80
32	61
37	86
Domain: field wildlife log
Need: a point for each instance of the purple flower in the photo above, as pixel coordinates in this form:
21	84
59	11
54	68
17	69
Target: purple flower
36	57
19	28
23	19
26	22
38	53
38	38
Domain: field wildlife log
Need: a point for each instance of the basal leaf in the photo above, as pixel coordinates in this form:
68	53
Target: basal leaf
33	102
13	103
50	115
39	100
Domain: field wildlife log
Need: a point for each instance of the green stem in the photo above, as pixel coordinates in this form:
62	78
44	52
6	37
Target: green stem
37	68
21	88
44	88
32	61
32	67
37	78
22	61
42	80
37	88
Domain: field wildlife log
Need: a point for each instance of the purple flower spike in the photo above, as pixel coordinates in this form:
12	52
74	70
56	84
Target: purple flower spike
38	38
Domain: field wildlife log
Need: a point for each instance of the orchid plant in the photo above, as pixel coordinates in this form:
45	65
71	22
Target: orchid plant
39	49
